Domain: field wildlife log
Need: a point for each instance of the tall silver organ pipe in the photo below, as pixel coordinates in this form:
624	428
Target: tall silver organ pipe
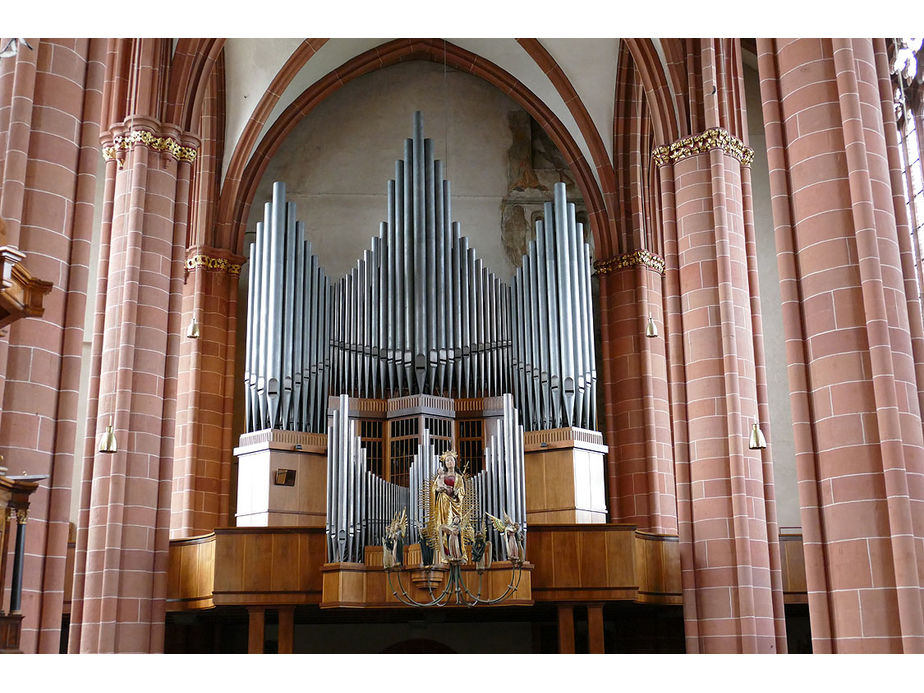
553	352
421	291
419	313
287	327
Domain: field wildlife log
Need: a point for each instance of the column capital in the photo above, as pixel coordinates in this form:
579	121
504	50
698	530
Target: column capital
638	257
713	138
139	130
213	259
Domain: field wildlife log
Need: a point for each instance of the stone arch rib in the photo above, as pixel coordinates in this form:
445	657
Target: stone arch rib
243	176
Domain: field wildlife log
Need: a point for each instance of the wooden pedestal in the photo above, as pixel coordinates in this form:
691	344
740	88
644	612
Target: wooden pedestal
262	501
565	476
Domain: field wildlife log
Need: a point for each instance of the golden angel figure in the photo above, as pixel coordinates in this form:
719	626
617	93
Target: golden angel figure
510	531
393	541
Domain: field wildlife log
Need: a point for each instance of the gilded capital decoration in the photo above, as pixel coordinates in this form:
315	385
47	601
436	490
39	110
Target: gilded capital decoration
217	264
21	516
713	138
639	257
148	139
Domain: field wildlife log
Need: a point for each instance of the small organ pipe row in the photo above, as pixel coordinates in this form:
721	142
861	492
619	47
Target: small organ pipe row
419	313
424	467
553	359
501	486
286	355
360	504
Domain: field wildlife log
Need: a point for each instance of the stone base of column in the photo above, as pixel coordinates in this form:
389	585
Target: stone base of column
282	479
565	476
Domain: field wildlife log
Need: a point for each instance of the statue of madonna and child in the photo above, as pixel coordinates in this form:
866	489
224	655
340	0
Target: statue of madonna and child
449	528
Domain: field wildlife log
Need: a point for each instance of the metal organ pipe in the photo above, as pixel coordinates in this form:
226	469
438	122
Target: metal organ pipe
287	325
553	353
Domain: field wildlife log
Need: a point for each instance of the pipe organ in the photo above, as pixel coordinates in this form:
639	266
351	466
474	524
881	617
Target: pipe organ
420	313
420	318
360	503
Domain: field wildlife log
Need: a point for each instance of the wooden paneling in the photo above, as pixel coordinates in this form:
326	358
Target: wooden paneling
792	558
559	480
595	629
657	557
10	628
367	584
566	629
256	629
582	562
7	526
286	638
191	573
21	294
568	563
268	565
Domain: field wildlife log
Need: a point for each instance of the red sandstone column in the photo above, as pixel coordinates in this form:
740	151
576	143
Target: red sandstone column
726	523
202	460
851	328
120	573
49	143
641	478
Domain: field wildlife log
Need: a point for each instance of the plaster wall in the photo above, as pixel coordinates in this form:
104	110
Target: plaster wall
337	161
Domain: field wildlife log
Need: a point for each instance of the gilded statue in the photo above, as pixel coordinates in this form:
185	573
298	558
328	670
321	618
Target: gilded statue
449	528
393	541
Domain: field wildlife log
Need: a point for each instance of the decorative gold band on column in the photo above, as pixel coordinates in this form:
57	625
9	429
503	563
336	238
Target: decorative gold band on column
713	138
639	257
149	139
216	264
22	516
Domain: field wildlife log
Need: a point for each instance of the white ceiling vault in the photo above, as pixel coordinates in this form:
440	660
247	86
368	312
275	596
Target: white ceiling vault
588	64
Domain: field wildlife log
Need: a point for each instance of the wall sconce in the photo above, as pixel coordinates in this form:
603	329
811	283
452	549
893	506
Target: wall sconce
193	330
107	441
757	440
12	47
284	477
652	329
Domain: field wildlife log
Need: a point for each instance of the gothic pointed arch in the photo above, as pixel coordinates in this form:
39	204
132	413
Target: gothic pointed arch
242	178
